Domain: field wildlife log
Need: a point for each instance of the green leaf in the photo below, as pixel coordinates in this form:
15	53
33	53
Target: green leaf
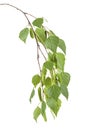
43	74
64	91
60	61
53	91
23	34
40	32
32	95
44	116
54	105
31	33
36	113
38	22
39	94
62	45
48	65
43	110
52	43
65	79
51	33
43	107
36	80
48	82
52	57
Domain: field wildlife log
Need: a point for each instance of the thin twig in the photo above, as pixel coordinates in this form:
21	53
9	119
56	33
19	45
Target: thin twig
25	14
30	15
18	9
42	53
38	58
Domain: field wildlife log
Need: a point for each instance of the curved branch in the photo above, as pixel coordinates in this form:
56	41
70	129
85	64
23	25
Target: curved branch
25	14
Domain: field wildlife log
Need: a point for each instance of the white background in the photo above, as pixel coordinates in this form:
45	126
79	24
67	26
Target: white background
73	21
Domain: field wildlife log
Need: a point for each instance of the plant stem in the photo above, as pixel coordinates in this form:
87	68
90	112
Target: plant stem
25	14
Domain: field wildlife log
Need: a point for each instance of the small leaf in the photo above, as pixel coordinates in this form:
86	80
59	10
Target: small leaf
62	45
32	95
64	91
43	74
52	57
31	33
38	22
52	43
53	91
51	33
48	82
44	116
65	79
40	32
36	80
43	107
39	94
23	34
48	65
36	113
60	61
54	105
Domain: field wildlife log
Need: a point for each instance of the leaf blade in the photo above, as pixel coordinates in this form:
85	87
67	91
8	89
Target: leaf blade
32	95
39	94
64	91
31	33
48	65
24	34
52	91
52	43
40	32
62	45
54	105
36	80
60	61
36	113
65	78
38	22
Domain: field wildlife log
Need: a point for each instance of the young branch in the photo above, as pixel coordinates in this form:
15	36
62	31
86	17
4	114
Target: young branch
25	14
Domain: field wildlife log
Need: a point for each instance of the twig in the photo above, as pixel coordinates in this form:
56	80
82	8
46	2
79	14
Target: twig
25	14
42	53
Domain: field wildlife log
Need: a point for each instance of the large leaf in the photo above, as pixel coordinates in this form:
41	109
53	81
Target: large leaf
54	105
48	65
60	61
36	113
36	80
38	22
53	91
62	45
32	95
65	78
64	91
40	32
23	34
52	43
